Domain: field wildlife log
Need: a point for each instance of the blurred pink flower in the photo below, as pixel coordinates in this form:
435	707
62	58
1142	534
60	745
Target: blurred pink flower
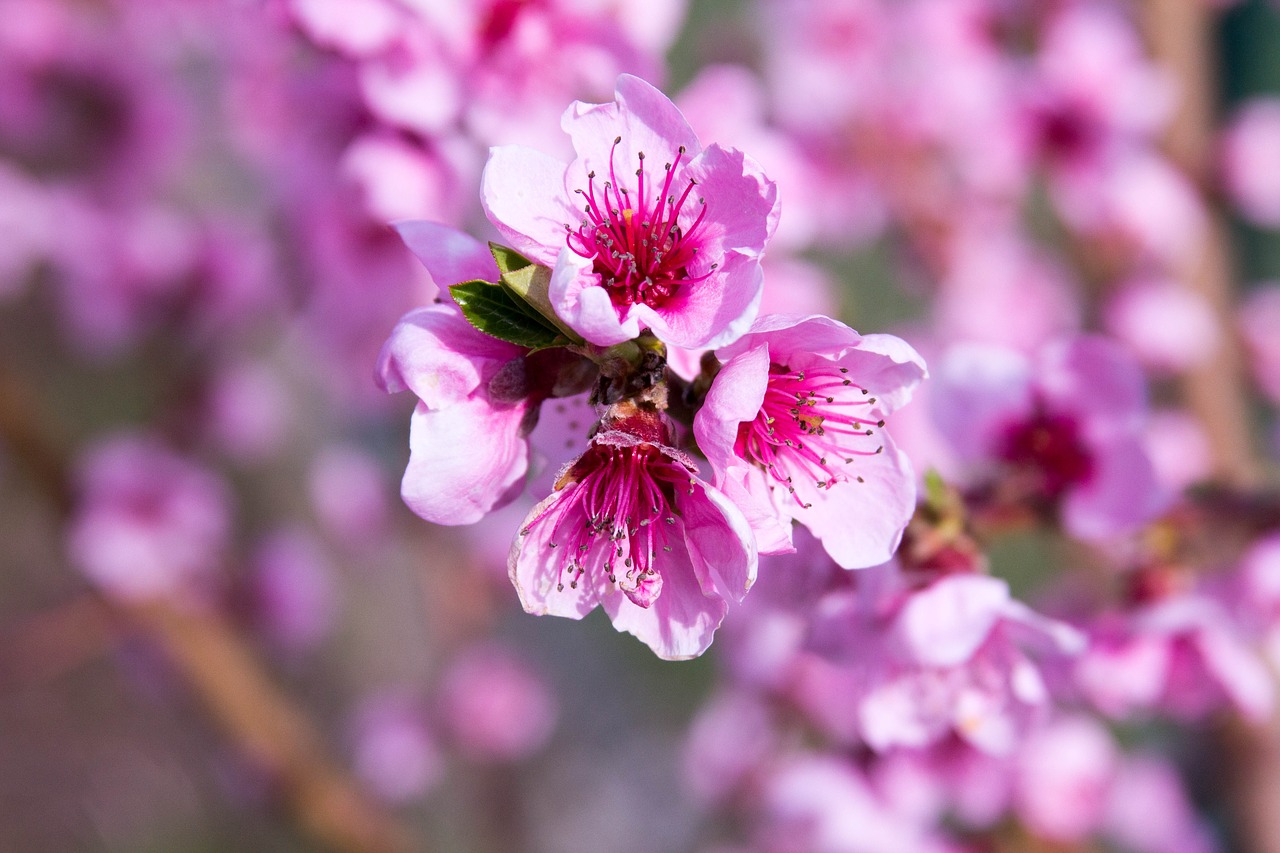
1180	654
495	706
790	429
1063	778
1250	168
646	251
1064	427
348	490
1168	327
821	804
395	753
293	595
148	523
920	665
1145	785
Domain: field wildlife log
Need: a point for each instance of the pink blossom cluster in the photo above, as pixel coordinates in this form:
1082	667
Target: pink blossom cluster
634	257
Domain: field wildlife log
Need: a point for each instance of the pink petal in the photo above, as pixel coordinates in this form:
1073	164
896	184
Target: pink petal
451	256
721	545
645	119
682	622
861	523
742	204
713	312
945	624
464	460
525	197
584	304
735	398
440	356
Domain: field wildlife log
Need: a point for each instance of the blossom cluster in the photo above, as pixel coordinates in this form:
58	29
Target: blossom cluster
645	242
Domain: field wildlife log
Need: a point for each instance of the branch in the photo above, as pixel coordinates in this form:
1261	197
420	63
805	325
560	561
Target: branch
221	671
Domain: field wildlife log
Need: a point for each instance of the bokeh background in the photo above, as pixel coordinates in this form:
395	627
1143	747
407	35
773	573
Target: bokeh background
221	629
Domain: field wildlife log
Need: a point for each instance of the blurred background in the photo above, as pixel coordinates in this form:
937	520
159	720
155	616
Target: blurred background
222	630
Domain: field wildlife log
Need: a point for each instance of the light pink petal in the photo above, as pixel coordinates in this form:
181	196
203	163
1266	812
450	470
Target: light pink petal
713	312
1097	380
413	86
585	305
451	256
524	196
355	27
748	487
645	119
441	357
735	397
978	391
540	572
1121	494
682	622
721	545
861	523
1244	678
742	204
464	460
912	708
945	624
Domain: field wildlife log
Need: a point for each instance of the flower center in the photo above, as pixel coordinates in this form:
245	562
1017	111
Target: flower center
1050	445
811	424
641	252
613	515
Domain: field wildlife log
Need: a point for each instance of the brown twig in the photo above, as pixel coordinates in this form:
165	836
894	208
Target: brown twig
1180	34
220	669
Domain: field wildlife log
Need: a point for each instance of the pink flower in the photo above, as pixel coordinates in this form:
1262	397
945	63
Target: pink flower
1169	327
632	528
149	523
793	428
942	660
394	752
1182	654
495	706
674	248
1063	778
1249	164
1062	430
1259	318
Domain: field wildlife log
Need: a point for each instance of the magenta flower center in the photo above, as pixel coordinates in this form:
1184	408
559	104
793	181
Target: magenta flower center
641	252
1050	445
614	515
812	424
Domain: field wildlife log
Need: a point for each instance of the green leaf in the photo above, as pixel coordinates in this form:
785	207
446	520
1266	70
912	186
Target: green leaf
496	311
531	285
508	259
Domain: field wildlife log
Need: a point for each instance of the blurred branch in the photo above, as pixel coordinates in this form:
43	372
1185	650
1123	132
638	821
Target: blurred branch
1181	35
219	667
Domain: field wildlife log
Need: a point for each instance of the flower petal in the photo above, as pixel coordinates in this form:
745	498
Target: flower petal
682	622
464	460
448	254
441	357
524	196
861	523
